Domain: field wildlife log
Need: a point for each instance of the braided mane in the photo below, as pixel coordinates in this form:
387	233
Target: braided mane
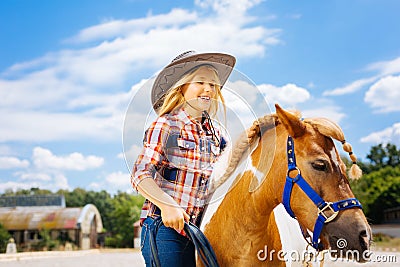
245	141
249	137
331	129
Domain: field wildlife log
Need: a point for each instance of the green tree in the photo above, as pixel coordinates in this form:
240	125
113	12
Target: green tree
125	213
76	198
102	200
377	191
381	156
4	237
21	192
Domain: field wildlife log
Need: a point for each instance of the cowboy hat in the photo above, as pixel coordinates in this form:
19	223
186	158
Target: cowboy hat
186	63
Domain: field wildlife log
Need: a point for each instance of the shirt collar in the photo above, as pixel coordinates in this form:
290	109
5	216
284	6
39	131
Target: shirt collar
183	116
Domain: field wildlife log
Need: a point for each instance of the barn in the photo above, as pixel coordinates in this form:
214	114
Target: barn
28	218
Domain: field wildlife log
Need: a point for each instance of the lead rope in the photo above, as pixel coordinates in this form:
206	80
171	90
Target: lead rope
202	245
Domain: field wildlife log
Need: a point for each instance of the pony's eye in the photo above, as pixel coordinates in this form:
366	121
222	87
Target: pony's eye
319	165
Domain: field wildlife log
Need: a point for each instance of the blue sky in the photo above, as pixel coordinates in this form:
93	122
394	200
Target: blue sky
70	69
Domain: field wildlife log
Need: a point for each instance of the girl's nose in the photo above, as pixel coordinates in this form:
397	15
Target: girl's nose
208	87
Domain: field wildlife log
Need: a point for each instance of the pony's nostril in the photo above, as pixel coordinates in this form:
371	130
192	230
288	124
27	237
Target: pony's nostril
364	240
363	233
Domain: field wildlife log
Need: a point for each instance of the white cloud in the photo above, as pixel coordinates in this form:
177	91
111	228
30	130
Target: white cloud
75	93
12	163
238	7
350	88
43	126
52	181
287	95
14	186
383	68
295	16
47	170
45	159
384	95
330	111
34	176
389	134
113	182
6	150
130	155
119	179
386	67
117	28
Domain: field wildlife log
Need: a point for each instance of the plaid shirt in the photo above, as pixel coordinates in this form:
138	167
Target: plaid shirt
179	155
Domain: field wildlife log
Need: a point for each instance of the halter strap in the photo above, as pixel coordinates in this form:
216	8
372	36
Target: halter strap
327	211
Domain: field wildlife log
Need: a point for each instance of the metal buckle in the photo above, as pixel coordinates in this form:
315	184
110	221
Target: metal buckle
332	216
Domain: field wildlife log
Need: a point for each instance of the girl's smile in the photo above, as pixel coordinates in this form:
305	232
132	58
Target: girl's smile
200	92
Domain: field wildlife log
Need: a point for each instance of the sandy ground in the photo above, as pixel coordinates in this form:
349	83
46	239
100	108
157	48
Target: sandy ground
83	258
132	258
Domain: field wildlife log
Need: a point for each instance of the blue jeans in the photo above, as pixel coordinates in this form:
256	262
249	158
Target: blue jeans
173	248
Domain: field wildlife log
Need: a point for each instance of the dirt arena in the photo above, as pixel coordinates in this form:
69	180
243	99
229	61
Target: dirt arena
132	258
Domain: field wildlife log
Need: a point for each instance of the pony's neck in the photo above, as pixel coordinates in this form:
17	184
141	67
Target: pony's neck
270	159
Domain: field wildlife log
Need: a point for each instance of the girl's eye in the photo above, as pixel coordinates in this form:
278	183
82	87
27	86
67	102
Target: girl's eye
201	83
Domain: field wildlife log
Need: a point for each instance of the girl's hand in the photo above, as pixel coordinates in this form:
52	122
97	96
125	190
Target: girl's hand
174	217
172	214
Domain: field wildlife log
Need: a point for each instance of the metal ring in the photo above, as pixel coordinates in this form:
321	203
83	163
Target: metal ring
297	169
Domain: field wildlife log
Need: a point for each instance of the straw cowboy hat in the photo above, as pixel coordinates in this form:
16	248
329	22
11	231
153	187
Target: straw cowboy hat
185	63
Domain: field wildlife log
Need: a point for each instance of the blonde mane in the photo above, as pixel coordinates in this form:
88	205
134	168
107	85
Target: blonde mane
245	141
248	138
331	129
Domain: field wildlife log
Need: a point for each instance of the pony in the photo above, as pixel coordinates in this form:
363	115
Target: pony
294	163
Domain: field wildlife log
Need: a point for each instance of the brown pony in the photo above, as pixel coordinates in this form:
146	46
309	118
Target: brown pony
244	224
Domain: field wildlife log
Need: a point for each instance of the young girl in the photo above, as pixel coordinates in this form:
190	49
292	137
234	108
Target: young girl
173	169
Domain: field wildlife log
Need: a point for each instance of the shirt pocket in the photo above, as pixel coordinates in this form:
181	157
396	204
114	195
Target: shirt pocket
182	153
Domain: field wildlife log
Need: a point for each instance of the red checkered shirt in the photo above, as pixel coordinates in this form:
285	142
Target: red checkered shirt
179	155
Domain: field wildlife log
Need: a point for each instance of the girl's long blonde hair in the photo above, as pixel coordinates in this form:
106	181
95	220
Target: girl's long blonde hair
174	98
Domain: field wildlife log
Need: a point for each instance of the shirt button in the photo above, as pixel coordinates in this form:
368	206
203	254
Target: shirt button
203	148
193	216
203	181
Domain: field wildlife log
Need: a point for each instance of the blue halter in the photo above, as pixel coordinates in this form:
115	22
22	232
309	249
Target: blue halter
327	211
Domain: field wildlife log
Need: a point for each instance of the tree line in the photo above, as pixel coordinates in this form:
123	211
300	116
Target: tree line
377	190
379	187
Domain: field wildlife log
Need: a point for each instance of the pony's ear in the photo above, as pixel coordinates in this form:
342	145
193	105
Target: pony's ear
292	123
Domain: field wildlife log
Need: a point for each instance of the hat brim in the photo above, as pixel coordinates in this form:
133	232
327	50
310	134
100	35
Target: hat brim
223	63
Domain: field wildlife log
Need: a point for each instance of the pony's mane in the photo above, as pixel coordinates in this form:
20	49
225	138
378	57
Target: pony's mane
245	141
330	129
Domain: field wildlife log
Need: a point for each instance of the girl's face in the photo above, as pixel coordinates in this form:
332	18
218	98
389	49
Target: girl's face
201	91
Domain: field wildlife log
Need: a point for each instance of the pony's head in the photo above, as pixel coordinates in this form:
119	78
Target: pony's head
317	185
318	163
